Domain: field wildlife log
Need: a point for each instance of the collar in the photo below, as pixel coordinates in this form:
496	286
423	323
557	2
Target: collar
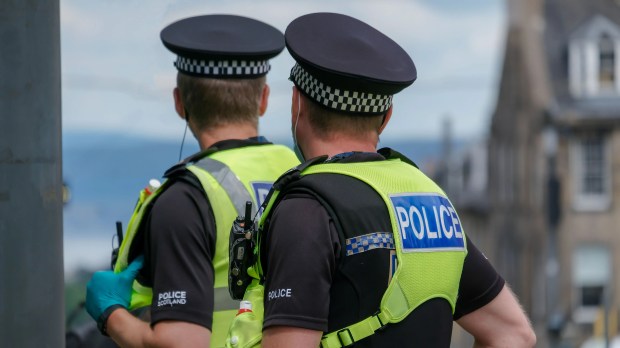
235	143
355	156
227	144
381	155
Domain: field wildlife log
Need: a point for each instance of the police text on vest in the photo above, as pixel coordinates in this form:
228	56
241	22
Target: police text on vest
427	222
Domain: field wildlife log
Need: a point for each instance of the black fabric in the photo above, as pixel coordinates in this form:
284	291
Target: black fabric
218	37
478	274
177	237
304	254
222	145
391	153
329	47
300	259
102	321
179	245
294	174
87	335
174	174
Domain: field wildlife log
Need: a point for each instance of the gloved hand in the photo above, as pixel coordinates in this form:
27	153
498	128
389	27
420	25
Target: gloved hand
107	291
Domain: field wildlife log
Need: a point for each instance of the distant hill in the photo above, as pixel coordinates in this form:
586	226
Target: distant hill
105	173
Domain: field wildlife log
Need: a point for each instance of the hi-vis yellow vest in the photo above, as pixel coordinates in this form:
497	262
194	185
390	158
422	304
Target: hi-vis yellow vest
229	178
430	260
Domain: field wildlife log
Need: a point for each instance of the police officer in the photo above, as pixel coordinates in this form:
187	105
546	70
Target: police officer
357	245
176	244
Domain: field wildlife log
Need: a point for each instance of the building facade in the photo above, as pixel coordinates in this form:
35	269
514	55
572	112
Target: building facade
554	166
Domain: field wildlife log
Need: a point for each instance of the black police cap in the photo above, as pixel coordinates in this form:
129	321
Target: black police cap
222	46
345	64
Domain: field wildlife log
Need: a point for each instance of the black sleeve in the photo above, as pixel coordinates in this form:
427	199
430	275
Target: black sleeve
179	252
480	283
301	246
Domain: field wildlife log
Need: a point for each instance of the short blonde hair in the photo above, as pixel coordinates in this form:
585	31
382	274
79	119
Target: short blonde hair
213	102
326	122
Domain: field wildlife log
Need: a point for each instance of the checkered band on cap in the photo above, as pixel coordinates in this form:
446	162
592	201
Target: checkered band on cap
222	68
338	99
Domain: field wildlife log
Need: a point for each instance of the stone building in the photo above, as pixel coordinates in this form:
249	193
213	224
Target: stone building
554	165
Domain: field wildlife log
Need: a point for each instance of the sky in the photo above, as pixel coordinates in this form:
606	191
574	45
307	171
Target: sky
117	76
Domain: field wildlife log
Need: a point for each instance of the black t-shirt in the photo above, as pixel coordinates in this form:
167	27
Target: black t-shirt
179	236
303	253
180	244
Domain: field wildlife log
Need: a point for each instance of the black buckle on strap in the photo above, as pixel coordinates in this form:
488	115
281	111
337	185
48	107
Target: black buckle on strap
383	325
346	329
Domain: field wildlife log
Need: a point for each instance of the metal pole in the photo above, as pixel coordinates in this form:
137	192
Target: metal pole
554	322
31	264
607	310
554	317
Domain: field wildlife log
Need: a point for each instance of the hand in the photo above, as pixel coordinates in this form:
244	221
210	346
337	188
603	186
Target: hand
106	289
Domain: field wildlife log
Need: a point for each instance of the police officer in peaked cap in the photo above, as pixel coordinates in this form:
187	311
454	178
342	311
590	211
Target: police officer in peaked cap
176	243
358	246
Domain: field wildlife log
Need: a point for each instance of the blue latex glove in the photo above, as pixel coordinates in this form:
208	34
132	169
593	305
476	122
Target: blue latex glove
107	289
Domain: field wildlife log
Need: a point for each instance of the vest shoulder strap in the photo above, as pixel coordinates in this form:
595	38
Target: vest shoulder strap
229	181
355	332
291	176
180	173
390	153
294	173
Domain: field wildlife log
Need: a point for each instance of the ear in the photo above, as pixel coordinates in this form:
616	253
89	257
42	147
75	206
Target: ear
386	119
264	100
178	102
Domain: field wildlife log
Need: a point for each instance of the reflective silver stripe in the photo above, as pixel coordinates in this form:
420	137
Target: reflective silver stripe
222	300
235	189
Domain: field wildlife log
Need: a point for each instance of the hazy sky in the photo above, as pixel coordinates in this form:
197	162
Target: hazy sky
118	77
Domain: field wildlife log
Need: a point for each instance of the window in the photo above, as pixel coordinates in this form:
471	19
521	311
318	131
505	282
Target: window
592	295
591	172
591	275
594	164
607	63
592	65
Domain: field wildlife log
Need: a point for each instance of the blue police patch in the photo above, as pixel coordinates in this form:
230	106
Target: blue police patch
261	190
427	222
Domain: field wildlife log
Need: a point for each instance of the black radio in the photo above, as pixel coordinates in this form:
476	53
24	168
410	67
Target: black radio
241	253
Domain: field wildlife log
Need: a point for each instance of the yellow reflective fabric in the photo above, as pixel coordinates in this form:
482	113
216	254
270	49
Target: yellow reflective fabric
132	227
248	165
263	163
419	276
246	329
219	329
421	280
141	296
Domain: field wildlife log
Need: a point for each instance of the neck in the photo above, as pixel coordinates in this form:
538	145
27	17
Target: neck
211	136
339	144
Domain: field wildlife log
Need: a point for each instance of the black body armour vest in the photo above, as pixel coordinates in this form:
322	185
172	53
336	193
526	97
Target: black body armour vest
361	278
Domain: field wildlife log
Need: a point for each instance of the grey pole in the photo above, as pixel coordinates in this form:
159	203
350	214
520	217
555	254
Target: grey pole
555	320
31	258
